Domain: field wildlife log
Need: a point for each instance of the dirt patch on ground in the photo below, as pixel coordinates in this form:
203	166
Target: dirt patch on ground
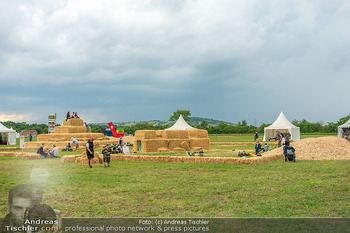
322	148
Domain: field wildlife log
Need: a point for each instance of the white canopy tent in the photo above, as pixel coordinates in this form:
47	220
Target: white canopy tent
283	125
8	134
180	124
344	128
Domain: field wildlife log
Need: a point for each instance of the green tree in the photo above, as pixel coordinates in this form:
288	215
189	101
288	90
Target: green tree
186	114
343	120
203	125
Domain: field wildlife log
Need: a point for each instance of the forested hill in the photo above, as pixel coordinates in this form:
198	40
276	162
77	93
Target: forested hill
195	121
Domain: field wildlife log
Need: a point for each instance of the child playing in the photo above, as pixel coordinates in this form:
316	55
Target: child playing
107	155
266	147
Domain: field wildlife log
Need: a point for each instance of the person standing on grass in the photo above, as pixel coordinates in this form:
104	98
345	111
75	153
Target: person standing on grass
107	155
121	142
75	141
257	148
279	138
30	137
90	151
256	136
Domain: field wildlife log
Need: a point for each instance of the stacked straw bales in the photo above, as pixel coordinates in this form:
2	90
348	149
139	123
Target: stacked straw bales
171	140
26	156
183	159
63	134
82	159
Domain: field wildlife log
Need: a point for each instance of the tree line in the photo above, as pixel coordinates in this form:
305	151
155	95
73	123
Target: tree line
240	128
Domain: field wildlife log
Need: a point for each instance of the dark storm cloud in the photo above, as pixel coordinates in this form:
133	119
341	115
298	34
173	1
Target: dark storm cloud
120	61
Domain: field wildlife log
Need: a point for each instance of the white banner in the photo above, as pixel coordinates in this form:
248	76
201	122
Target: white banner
21	142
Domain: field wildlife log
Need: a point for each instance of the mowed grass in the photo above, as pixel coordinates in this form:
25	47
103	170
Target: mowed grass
146	189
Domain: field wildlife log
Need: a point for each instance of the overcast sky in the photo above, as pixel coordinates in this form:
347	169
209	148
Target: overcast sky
127	60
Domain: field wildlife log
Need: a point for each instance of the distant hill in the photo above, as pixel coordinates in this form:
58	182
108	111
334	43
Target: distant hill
194	121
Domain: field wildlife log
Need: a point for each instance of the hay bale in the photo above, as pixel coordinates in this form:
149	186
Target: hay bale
30	156
163	149
73	122
8	154
197	133
68	158
185	145
201	143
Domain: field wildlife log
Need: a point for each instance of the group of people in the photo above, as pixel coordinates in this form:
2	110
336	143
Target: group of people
74	115
45	151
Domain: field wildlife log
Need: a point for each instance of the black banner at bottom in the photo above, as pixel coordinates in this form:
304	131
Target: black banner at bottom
189	225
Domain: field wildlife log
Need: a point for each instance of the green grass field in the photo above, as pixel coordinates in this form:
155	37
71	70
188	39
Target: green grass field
146	189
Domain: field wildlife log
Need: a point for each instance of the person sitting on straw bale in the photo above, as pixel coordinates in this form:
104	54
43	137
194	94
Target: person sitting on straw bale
87	127
68	116
54	152
75	141
76	115
90	151
73	115
41	151
107	154
201	152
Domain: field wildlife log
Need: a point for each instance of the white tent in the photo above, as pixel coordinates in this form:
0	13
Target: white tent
344	128
283	125
8	134
180	124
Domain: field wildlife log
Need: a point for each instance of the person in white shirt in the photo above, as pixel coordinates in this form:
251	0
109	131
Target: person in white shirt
75	141
54	152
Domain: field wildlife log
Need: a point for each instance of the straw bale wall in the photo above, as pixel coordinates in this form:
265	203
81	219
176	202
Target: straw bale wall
185	145
30	156
8	154
82	159
171	140
9	148
69	129
62	144
200	142
197	133
209	160
67	136
70	158
163	149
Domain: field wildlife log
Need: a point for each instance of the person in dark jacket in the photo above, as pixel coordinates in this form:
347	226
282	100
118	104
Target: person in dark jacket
256	136
257	148
41	151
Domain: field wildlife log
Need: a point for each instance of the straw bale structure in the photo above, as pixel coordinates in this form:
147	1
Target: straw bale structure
26	156
9	148
84	160
183	159
171	140
322	148
63	134
69	158
8	154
